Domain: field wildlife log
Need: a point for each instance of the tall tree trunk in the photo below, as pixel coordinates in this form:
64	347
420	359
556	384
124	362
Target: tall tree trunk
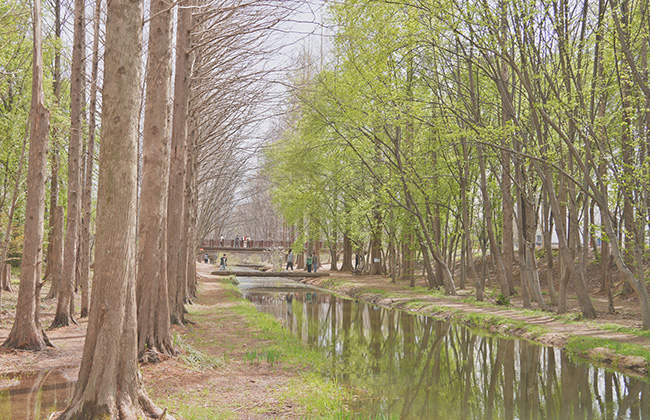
152	298
57	246
176	267
565	253
506	182
26	332
478	282
63	314
84	269
54	151
346	265
494	247
191	203
375	247
109	384
408	259
548	249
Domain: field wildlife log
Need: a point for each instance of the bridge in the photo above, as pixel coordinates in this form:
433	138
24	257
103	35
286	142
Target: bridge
232	245
295	274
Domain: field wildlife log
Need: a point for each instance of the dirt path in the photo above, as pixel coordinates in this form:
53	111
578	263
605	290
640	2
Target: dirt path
223	384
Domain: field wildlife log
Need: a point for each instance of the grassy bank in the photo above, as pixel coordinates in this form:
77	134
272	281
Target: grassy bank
243	364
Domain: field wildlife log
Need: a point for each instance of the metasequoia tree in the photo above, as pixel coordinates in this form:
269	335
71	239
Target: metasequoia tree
65	304
151	286
109	384
26	332
54	156
176	253
86	201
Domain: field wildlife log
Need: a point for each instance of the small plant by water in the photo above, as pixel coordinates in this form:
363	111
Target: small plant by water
270	356
503	300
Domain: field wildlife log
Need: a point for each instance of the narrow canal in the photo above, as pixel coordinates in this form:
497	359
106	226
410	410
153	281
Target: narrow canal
404	366
408	366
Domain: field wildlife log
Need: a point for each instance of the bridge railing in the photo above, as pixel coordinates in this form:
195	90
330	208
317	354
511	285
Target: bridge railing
232	243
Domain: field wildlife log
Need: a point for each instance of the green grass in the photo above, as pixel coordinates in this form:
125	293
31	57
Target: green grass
270	356
628	330
581	346
322	398
196	359
318	396
185	406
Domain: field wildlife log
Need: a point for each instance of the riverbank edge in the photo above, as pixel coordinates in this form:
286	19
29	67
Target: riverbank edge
311	393
628	358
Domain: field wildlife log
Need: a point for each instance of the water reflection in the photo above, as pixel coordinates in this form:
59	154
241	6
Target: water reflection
34	396
415	367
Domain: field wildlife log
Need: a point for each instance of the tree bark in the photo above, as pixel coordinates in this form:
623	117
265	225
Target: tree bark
479	283
54	151
375	247
154	332
494	247
565	253
191	202
346	265
26	332
548	249
109	384
64	316
84	269
175	267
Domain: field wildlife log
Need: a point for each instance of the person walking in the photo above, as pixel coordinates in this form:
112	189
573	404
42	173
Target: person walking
237	241
206	258
223	263
314	261
221	241
309	263
289	260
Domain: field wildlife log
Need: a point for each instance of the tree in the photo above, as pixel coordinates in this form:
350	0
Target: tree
86	202
65	303
176	255
151	287
109	385
26	332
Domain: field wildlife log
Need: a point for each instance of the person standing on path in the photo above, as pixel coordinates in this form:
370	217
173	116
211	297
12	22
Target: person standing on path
314	261
289	260
309	263
223	263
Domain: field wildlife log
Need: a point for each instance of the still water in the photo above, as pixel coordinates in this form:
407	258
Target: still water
407	366
34	396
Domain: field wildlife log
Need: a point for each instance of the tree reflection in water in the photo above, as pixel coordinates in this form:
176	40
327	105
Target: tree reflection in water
414	367
33	396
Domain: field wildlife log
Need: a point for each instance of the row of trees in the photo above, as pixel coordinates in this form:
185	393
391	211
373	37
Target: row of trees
163	181
444	128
